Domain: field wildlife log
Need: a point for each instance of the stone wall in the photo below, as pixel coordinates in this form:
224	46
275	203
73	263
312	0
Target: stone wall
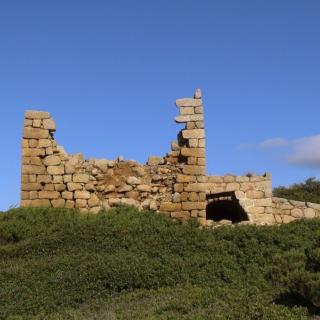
288	210
175	184
52	178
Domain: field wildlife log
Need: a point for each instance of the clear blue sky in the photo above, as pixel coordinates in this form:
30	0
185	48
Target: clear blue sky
109	72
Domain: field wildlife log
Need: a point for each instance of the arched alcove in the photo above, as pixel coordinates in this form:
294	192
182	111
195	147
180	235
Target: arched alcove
225	206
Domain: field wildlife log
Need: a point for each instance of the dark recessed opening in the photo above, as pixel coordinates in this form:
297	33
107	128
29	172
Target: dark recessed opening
225	206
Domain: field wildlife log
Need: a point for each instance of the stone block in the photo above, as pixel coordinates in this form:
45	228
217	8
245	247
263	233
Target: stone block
40	203
255	194
233	186
31	186
279	200
33	152
242	179
199	124
81	178
197	187
33	143
67	195
59	187
36	123
191	125
194	205
188	102
266	202
49	195
48	187
35	133
153	161
24	195
201	161
52	160
309	213
144	188
33	114
170	206
93	201
69	168
35	161
49	124
81	194
49	151
69	204
124	188
90	187
102	164
201	143
178	187
44	143
57	179
58	203
95	210
188	118
25	203
198	94
27	123
192	160
56	170
229	178
267	219
198	110
193	152
288	219
297	213
132	195
67	178
193	143
194	170
255	210
175	146
129	202
180	215
25	178
81	203
193	134
187	110
114	202
133	180
215	179
193	196
315	206
33	195
109	188
300	204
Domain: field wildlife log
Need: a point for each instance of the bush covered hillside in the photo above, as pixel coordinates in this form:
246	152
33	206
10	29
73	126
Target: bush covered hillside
309	190
124	264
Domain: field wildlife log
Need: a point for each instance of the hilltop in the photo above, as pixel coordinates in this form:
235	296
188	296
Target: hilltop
125	264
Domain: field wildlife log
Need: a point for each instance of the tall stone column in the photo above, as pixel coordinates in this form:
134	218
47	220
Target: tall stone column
39	162
191	158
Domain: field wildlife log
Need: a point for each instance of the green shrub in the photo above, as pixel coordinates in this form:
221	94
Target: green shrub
307	191
124	264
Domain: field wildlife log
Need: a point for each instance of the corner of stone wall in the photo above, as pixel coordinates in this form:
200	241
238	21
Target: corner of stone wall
189	154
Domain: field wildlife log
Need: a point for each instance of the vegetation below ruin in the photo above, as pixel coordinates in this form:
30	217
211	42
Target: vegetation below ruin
308	191
123	264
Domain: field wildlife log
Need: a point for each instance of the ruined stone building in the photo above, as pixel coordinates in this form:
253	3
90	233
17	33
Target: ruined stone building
175	185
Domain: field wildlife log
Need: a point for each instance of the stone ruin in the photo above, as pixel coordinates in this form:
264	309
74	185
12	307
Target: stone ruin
175	185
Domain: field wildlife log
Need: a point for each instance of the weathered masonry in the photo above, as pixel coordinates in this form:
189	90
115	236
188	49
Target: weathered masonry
175	185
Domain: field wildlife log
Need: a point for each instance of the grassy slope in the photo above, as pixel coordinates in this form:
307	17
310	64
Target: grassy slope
58	264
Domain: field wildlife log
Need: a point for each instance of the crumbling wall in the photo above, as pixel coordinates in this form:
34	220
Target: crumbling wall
52	178
175	184
289	210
